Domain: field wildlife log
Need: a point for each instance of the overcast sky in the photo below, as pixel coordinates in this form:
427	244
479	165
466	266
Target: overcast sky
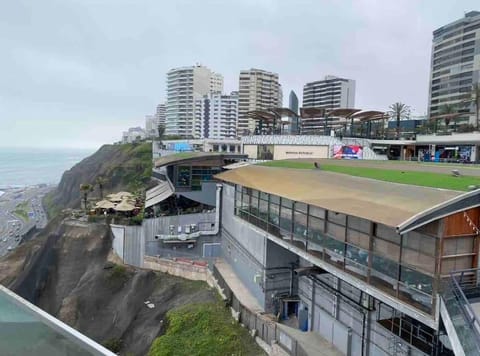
78	72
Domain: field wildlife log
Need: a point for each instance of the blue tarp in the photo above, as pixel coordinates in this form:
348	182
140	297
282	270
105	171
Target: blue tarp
180	147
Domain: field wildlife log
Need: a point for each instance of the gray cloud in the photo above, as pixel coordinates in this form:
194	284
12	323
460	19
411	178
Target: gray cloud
78	72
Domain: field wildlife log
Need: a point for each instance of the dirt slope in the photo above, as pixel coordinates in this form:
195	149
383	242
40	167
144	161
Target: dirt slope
97	297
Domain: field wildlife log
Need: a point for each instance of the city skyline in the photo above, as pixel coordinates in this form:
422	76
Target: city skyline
86	68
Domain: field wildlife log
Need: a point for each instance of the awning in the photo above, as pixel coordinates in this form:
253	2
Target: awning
158	194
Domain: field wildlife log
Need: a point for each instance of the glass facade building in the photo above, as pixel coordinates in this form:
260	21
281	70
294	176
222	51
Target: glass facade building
408	267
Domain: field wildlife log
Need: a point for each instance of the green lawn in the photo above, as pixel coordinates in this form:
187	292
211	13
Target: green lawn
203	329
427	179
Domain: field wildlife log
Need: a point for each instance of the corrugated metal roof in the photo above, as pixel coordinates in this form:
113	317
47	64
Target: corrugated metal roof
158	194
383	202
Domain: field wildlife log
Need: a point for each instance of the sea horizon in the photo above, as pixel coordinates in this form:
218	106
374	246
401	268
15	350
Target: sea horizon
28	166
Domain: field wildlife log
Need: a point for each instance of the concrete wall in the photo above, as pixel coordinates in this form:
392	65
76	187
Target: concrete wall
161	225
293	151
134	246
278	275
118	232
250	150
184	269
243	247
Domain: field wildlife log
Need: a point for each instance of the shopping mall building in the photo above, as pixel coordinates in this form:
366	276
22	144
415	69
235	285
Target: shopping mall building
366	264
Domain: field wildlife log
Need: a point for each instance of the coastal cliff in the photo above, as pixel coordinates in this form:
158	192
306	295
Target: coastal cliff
123	167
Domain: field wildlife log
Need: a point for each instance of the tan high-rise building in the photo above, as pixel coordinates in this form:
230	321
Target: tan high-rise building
258	90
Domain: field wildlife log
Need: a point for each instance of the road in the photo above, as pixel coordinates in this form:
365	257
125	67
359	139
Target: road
13	227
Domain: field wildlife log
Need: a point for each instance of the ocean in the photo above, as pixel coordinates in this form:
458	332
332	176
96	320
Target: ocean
21	167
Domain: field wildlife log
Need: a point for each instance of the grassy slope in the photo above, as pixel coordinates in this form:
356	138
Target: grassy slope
203	329
22	211
426	179
125	167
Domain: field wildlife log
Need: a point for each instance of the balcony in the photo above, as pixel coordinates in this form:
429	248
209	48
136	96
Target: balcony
461	298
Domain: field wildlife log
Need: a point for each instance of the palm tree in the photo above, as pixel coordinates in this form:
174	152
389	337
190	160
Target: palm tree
399	111
100	181
85	189
449	110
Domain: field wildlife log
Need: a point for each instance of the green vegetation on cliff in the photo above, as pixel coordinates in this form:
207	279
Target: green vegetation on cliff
121	167
203	329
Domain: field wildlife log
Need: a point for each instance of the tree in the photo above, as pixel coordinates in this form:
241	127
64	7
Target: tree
100	181
161	132
85	189
449	111
399	111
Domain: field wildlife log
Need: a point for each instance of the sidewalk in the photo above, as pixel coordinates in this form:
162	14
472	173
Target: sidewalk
237	286
311	342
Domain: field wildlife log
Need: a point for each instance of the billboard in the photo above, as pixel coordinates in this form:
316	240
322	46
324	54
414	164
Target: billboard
347	152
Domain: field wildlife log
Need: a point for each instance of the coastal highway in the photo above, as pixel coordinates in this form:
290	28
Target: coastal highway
28	204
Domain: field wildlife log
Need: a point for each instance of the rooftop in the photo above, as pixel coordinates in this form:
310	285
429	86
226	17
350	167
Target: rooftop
387	203
184	157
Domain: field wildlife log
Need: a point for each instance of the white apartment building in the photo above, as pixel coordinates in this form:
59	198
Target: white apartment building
330	93
185	85
160	114
455	66
216	83
258	90
151	126
216	116
133	134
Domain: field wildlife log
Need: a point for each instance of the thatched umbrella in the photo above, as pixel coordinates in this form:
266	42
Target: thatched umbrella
124	195
124	206
104	204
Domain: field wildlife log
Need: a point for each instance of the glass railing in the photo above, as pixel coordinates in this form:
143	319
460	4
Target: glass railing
459	292
27	330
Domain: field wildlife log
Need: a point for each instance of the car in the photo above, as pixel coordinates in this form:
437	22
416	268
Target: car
9	248
4	240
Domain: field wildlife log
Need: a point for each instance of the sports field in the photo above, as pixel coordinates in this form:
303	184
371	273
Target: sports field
429	175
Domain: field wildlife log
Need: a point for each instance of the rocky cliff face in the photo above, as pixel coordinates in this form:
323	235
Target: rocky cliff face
124	167
82	285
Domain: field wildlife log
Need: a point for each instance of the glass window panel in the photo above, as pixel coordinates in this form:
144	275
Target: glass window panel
316	211
274	215
457	263
287	203
359	224
387	249
336	231
254	193
253	205
415	279
456	246
337	218
300	224
274	199
385	266
387	233
357	255
416	241
263	210
302	207
286	219
357	238
418	259
263	196
315	224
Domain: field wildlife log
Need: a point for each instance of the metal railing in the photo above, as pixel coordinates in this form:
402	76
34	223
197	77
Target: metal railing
459	291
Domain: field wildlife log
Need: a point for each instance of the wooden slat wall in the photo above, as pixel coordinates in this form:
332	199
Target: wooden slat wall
457	225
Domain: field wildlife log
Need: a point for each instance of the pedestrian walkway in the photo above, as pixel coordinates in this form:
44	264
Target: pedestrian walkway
237	286
311	342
